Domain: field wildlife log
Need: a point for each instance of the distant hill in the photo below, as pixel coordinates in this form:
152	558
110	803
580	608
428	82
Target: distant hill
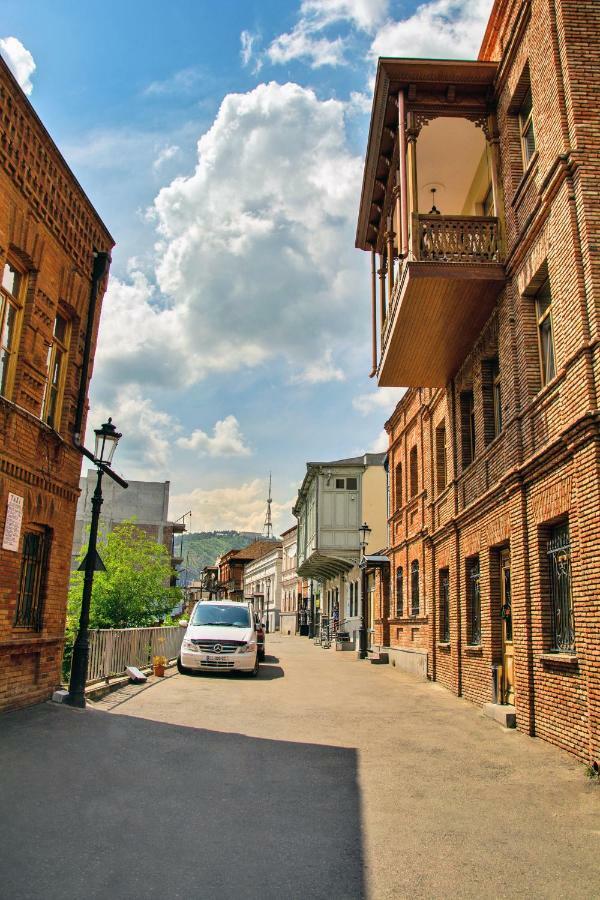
201	548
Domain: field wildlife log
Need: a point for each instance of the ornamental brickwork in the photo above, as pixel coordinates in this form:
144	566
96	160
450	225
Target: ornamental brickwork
508	453
48	234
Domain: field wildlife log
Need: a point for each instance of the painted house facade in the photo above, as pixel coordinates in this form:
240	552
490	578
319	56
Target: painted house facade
334	499
262	585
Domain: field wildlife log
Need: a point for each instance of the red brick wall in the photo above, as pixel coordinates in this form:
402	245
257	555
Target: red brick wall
49	231
544	466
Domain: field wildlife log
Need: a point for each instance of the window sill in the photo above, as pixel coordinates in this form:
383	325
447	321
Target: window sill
473	649
408	620
443	645
564	659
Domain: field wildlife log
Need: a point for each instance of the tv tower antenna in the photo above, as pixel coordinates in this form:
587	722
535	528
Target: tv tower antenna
268	526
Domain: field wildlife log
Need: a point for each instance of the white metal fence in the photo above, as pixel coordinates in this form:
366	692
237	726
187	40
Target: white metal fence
113	649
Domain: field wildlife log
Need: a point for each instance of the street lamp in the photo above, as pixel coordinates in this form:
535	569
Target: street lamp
107	438
365	533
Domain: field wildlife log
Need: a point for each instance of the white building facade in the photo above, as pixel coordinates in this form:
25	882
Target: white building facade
334	499
262	585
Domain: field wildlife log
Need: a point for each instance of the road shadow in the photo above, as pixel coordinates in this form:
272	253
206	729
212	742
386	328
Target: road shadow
271	659
107	806
269	672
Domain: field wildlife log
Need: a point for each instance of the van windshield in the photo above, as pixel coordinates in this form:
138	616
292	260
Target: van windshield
214	614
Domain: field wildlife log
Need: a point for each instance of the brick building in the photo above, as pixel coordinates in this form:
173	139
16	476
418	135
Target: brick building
50	296
231	568
486	298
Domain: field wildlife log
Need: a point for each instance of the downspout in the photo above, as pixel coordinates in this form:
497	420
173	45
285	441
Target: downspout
99	270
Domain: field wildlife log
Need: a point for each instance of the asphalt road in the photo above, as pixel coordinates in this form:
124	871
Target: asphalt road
325	777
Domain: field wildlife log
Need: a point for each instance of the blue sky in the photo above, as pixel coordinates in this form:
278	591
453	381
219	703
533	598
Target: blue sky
223	145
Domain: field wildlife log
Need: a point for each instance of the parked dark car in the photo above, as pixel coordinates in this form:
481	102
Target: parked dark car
260	639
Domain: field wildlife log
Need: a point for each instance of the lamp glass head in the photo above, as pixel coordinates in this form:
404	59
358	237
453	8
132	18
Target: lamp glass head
107	438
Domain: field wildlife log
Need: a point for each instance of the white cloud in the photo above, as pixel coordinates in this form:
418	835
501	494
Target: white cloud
182	82
145	448
248	42
319	371
241	508
381	443
164	155
364	14
255	257
226	440
444	29
306	40
19	60
302	44
382	400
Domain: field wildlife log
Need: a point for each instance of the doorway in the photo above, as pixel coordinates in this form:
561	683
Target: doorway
508	660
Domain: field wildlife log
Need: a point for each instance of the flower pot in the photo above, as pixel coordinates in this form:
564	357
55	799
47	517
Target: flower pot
159	671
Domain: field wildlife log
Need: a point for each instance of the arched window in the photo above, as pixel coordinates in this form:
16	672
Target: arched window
414	588
399	592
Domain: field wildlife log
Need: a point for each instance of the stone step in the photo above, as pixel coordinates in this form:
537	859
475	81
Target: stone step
505	715
378	658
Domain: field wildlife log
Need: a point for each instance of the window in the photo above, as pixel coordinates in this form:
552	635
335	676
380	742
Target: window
492	398
543	308
36	546
414	472
57	364
444	588
414	588
12	282
526	126
440	456
399	592
398	486
351	599
561	602
474	614
467	423
350	484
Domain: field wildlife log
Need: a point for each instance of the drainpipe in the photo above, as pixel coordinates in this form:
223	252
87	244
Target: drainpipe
99	270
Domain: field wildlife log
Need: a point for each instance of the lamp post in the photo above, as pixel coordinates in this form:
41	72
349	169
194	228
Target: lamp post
364	532
107	438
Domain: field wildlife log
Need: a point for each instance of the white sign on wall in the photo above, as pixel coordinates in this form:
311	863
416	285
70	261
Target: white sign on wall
12	526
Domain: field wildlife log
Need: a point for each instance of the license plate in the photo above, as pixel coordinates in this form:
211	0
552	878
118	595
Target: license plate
212	658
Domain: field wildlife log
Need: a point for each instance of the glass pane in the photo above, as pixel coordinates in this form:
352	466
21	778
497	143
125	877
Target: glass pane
60	329
351	484
11	280
543	299
4	357
526	107
547	345
8	329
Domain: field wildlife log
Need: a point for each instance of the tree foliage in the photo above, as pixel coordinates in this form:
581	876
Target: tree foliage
134	590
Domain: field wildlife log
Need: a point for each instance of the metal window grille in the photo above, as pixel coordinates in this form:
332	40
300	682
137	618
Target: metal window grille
399	592
414	588
444	606
559	560
474	603
36	546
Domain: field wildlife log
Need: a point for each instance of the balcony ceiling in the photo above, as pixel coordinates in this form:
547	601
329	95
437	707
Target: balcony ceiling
440	311
322	566
445	87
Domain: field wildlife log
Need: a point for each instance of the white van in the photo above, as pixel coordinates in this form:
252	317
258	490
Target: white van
221	635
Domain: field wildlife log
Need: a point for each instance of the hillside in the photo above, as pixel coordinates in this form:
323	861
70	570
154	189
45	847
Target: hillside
203	547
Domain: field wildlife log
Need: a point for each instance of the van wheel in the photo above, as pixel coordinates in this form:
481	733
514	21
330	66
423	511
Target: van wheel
182	669
254	671
261	655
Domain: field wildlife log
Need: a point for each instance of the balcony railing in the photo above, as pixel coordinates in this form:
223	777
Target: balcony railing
113	649
462	239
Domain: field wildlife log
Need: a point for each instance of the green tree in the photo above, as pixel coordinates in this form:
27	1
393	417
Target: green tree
135	589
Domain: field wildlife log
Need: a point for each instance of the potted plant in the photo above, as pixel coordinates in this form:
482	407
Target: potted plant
158	665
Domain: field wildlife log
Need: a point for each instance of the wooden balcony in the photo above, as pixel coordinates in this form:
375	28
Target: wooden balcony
443	295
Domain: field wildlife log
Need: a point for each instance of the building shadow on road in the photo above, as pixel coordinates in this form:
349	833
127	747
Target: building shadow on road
107	806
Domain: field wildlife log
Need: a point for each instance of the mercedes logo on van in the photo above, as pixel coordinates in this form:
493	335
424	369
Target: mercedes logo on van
217	648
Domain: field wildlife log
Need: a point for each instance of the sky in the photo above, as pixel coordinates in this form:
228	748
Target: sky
223	146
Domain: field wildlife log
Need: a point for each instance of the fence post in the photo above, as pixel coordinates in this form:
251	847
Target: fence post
108	652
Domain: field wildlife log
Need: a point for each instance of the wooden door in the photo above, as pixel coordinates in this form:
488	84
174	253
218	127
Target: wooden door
508	661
